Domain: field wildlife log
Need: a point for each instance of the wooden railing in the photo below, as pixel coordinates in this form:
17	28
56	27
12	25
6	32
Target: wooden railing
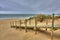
13	24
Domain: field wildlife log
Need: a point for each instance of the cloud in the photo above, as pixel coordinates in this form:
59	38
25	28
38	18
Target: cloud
30	5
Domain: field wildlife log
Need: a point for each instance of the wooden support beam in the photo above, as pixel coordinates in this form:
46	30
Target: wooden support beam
29	21
25	25
16	24
35	26
52	26
12	23
46	23
20	24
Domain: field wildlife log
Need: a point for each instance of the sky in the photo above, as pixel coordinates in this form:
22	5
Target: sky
29	6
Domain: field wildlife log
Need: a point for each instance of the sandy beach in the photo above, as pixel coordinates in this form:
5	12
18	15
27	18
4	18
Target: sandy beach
8	33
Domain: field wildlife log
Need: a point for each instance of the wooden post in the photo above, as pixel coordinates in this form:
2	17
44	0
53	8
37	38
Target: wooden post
12	23
29	21
35	26
25	25
52	26
16	24
46	22
20	24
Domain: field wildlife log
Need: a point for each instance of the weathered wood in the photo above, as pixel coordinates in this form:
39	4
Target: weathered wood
13	23
16	25
40	27
29	21
35	26
52	26
25	25
20	24
46	23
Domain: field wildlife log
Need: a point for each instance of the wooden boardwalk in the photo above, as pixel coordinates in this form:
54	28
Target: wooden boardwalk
35	27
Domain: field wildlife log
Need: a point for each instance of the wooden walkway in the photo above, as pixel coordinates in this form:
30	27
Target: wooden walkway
38	27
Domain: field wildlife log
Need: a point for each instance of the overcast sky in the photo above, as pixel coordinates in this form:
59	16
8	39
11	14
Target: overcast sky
29	6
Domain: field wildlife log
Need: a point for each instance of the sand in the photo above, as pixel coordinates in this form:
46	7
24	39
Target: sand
8	33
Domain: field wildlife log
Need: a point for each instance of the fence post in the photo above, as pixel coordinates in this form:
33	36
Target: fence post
29	21
12	23
25	25
20	24
16	24
52	26
35	25
46	22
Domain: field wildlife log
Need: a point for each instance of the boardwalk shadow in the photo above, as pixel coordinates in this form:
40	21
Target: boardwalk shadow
49	34
42	31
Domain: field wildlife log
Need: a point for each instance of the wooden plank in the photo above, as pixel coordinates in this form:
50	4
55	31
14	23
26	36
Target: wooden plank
41	27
